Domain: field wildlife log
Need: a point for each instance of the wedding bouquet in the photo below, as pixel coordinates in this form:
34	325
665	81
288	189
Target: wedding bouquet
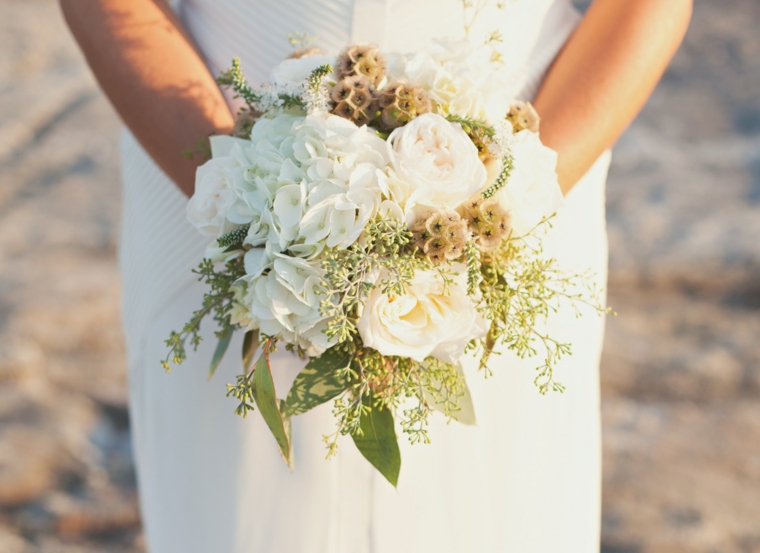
379	214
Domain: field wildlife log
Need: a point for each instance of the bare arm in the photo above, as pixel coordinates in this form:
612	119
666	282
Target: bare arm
602	78
154	77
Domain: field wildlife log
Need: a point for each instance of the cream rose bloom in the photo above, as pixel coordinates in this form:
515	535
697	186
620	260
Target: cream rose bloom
437	161
532	191
424	322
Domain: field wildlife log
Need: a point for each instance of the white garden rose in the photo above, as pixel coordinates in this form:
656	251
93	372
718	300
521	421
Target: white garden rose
438	162
427	321
532	191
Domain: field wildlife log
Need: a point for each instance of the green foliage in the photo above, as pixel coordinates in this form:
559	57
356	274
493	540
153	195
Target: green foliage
520	288
316	77
250	345
269	406
472	258
234	238
234	78
348	273
256	101
217	302
242	390
376	440
507	165
320	381
472	126
221	349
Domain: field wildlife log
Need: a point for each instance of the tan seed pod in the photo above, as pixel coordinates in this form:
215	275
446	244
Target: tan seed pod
353	99
400	102
488	220
441	235
523	116
361	59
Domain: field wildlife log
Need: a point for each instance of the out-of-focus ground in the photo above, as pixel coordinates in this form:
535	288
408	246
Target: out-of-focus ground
681	371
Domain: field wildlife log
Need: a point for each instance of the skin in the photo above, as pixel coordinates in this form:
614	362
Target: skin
603	77
154	76
156	79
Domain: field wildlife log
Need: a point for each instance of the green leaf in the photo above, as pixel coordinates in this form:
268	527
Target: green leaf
378	443
317	382
250	345
221	349
266	400
289	432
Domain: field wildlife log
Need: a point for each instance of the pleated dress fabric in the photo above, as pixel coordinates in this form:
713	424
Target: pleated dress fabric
524	479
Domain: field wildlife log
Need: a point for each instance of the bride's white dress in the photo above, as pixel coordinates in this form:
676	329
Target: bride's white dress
526	479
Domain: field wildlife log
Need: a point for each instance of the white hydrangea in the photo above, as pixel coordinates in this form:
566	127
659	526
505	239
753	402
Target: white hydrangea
215	187
284	301
331	147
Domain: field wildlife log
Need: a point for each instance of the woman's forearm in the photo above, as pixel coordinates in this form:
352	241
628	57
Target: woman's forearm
154	77
603	76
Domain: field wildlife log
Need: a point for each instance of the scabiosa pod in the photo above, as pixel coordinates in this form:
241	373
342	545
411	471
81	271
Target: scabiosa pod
441	235
362	59
401	102
523	116
353	99
488	220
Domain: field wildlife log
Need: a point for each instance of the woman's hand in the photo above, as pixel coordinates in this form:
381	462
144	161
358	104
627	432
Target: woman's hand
603	76
158	83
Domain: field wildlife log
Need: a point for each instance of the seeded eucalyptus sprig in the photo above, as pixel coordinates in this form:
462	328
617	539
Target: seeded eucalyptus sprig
261	102
318	75
507	165
234	78
217	302
471	126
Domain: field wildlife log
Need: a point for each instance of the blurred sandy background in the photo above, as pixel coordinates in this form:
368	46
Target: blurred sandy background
681	372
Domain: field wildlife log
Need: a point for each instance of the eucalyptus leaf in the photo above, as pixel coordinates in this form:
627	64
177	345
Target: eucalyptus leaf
289	432
250	345
266	400
221	349
317	382
379	444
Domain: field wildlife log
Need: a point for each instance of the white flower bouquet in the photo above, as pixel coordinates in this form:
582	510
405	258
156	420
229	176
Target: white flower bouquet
382	217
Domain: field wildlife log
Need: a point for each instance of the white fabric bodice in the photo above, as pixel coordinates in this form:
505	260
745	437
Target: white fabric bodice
532	31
